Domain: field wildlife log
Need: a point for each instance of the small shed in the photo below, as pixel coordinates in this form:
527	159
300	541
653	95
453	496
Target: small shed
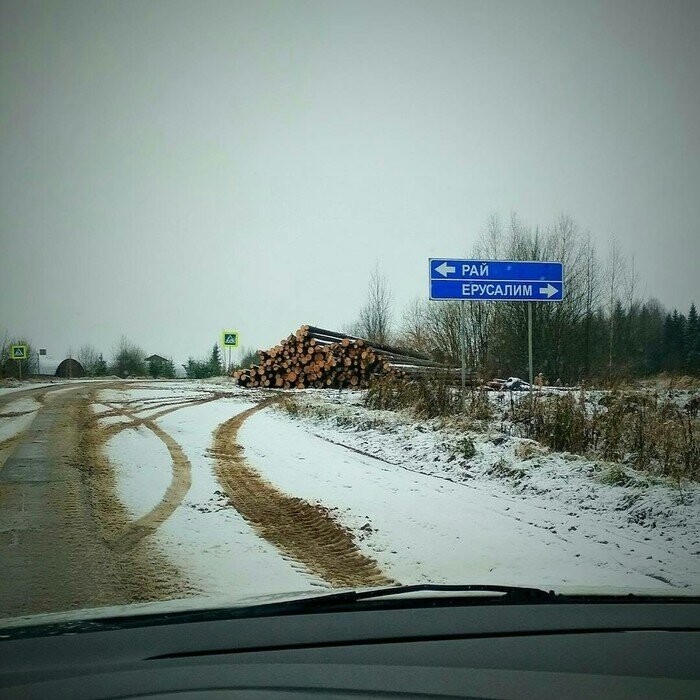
70	369
156	358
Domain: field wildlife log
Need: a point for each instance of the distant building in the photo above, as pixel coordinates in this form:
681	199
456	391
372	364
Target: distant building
160	367
70	369
156	358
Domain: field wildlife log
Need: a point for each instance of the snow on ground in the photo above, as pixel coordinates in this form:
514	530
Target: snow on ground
427	501
216	550
23	386
12	425
142	467
513	465
110	420
422	528
215	547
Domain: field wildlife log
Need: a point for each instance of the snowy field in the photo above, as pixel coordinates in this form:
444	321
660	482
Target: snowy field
415	499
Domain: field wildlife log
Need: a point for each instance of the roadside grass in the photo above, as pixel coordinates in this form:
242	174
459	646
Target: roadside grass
649	433
529	450
429	397
641	429
502	469
669	381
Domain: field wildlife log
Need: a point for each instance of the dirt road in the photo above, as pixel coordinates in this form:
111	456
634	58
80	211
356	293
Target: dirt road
68	541
58	512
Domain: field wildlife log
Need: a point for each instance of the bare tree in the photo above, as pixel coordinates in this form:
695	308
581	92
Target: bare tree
615	275
89	359
4	349
592	299
128	359
375	316
413	332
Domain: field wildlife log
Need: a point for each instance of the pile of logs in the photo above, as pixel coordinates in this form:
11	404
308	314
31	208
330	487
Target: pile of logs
317	358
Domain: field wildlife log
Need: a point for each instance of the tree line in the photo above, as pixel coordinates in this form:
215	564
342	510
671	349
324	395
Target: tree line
127	360
603	329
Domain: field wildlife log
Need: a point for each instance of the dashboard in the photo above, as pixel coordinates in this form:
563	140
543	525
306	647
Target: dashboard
565	650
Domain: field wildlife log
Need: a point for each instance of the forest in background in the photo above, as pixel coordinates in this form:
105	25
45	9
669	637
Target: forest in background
604	329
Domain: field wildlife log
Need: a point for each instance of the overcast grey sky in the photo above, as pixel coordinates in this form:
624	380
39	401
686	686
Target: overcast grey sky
173	168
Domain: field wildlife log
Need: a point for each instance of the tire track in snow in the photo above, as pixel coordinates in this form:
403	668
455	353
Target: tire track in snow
300	530
174	495
181	480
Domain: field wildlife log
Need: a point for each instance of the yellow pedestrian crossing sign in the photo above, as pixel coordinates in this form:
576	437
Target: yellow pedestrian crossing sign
18	352
229	339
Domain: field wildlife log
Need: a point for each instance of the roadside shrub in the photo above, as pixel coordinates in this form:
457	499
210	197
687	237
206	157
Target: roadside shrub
289	404
466	448
503	470
161	368
10	367
559	422
478	405
615	476
640	429
428	397
528	450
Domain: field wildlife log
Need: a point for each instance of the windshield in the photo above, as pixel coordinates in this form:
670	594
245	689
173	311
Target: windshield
234	366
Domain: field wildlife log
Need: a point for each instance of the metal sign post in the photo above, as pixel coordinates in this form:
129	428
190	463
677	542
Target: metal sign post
19	353
529	346
463	353
229	339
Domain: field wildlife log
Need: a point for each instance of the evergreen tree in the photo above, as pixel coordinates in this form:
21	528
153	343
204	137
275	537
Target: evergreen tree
169	369
692	341
215	368
161	367
100	369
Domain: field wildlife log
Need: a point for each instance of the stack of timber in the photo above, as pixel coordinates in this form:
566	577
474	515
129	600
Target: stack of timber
322	359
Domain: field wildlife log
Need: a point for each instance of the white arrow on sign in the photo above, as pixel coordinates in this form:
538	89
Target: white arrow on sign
549	290
445	269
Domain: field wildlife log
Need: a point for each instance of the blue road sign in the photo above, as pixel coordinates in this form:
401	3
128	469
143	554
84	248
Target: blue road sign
496	280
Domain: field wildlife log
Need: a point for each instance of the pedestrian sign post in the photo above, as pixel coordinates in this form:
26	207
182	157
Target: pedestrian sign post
19	353
229	339
496	280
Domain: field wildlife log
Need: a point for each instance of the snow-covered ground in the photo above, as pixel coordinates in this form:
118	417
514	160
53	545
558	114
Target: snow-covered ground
426	501
16	386
143	466
16	416
214	548
429	515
